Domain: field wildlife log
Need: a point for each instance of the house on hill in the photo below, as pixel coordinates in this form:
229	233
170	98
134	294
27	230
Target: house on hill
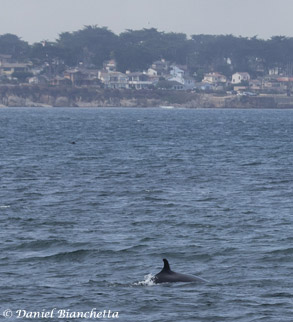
152	72
159	68
178	75
82	77
74	75
214	78
110	65
9	68
114	80
38	80
170	85
238	78
138	80
177	72
5	58
161	65
189	83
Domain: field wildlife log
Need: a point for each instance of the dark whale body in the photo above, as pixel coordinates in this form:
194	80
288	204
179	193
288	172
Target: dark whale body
168	276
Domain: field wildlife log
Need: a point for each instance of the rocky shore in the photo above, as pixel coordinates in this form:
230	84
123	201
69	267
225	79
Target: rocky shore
36	96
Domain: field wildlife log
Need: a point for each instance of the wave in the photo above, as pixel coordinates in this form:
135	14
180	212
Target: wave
279	255
45	244
105	283
278	295
206	199
148	281
74	255
250	164
283	251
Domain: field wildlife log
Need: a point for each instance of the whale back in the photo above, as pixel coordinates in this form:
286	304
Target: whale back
168	276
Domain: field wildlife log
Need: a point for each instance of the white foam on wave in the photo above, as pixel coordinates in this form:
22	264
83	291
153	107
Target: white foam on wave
3	207
148	281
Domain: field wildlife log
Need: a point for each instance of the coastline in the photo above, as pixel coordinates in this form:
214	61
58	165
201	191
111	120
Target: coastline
83	97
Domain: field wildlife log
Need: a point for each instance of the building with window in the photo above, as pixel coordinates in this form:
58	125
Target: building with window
238	78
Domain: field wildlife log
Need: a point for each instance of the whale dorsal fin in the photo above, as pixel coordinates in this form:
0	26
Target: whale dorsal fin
166	267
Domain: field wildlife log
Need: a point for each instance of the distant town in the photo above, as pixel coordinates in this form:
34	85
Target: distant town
146	68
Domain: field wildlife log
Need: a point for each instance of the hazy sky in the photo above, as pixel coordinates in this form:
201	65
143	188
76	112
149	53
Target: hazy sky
36	20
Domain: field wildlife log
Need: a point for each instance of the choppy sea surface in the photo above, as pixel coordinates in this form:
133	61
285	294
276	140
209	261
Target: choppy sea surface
91	200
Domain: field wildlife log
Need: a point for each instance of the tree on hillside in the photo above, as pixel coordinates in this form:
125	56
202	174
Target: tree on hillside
92	44
47	52
139	48
279	51
12	45
136	50
227	53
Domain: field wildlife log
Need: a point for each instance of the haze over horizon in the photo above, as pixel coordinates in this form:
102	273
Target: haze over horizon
35	20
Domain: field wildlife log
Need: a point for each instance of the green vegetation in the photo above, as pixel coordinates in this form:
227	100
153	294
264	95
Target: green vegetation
12	45
135	50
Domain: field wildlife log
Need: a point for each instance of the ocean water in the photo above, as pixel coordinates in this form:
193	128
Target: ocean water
91	200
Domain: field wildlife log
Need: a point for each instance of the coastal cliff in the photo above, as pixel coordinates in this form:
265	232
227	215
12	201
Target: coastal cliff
37	96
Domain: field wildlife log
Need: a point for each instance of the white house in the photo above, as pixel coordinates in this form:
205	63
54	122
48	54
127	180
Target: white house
152	72
113	79
138	80
238	78
275	71
38	80
158	68
176	75
176	72
214	78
